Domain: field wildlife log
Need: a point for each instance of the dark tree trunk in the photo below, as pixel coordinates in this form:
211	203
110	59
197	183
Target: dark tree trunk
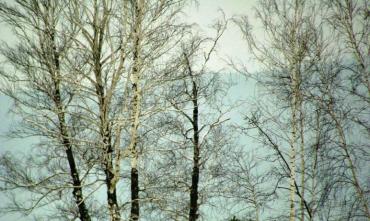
135	204
193	212
77	188
135	209
115	214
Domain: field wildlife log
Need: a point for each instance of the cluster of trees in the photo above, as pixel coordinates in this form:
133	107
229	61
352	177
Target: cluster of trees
315	120
133	123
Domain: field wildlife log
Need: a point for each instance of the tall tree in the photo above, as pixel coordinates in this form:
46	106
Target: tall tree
186	137
194	87
290	32
102	50
306	70
155	31
42	99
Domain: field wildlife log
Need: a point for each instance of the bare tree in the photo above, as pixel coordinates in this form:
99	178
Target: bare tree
186	138
190	100
246	193
109	43
305	69
335	108
42	100
120	45
287	60
131	121
155	33
102	50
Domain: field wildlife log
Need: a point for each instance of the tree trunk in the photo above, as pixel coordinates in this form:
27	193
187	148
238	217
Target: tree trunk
314	169
303	164
113	207
193	212
135	206
294	107
77	188
104	101
106	136
136	104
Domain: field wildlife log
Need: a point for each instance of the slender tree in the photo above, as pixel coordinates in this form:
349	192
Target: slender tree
197	87
291	35
103	52
42	99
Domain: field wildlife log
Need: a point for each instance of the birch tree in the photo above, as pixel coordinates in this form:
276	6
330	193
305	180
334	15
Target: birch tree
122	42
191	133
102	50
290	37
303	66
110	45
334	105
155	33
34	80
